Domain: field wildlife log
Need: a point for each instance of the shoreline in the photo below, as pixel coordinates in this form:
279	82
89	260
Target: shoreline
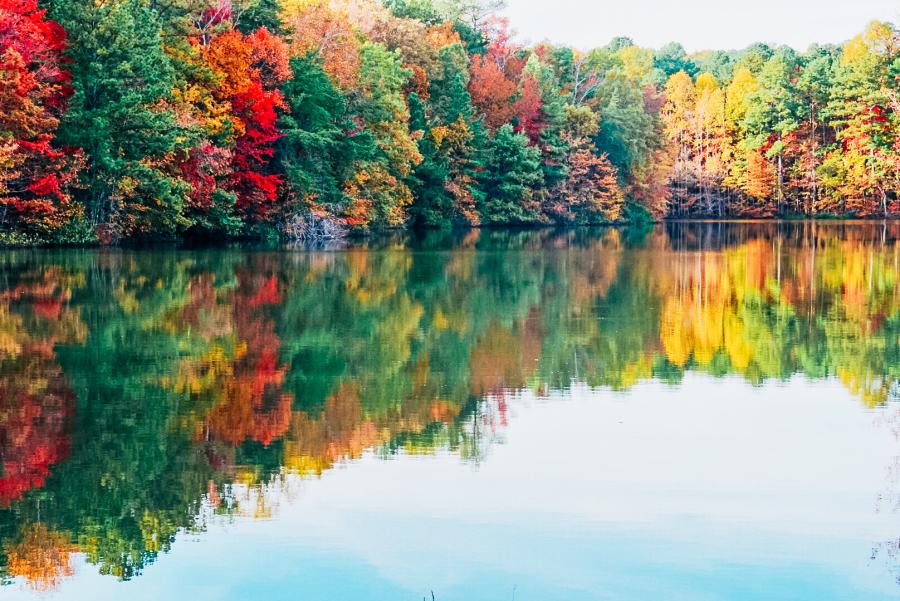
414	233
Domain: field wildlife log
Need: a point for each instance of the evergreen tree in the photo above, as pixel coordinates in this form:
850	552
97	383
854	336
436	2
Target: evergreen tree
626	130
433	204
321	144
671	59
511	176
260	13
122	80
445	182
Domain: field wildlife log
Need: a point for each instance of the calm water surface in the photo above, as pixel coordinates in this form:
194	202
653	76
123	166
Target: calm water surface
696	411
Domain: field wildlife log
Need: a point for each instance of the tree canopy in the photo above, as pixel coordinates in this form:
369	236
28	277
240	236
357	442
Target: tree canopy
136	119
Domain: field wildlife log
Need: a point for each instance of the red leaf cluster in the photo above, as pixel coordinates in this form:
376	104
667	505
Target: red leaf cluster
34	87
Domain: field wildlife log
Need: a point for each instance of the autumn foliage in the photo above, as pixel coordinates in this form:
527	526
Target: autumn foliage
251	68
492	91
216	119
35	174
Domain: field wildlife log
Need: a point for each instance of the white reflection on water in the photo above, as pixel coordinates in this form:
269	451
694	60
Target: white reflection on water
713	489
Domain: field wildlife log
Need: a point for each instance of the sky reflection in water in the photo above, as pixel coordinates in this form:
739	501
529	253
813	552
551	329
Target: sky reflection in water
695	411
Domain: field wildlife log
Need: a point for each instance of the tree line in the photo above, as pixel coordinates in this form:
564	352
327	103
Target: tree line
155	119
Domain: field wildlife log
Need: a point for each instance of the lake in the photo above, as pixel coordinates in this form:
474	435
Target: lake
688	411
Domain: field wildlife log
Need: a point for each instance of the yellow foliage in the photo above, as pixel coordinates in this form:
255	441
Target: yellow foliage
440	321
742	85
41	557
855	50
706	82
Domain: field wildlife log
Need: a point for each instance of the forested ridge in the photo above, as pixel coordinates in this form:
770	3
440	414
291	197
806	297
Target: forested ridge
156	119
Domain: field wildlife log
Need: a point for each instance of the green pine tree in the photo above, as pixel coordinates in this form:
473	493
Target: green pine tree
121	75
321	144
512	174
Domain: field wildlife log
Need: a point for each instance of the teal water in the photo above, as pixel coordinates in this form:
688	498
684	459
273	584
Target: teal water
695	411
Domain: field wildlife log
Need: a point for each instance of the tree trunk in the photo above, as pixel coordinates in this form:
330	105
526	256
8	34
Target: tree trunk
780	182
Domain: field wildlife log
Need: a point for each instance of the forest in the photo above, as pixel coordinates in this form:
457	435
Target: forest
130	120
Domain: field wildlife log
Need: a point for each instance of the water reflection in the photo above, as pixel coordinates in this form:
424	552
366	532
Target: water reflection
143	393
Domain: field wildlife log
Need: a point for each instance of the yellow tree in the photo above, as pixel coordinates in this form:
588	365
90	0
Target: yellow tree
749	175
710	143
678	116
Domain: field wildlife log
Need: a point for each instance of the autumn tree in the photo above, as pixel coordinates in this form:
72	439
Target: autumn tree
492	92
861	175
451	142
252	68
773	114
36	173
590	193
315	26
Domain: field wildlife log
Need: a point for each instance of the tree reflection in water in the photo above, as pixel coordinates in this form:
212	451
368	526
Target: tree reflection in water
143	393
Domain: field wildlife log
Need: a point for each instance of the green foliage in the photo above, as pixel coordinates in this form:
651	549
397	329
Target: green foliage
626	130
716	62
433	201
120	77
420	10
671	59
321	143
260	13
510	178
772	109
449	93
444	183
618	43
